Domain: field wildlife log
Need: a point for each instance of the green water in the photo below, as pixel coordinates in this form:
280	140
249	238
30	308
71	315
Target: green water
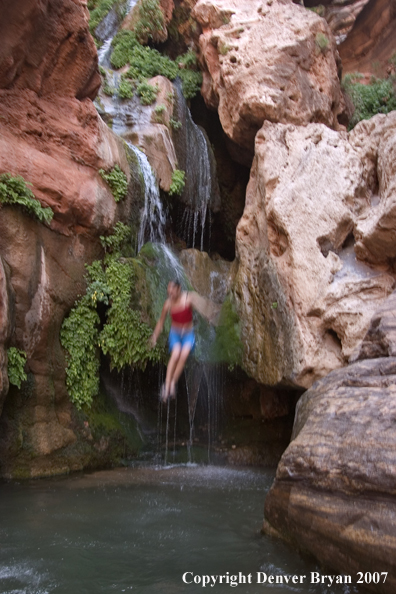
140	530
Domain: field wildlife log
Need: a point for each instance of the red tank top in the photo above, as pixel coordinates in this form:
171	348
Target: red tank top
182	316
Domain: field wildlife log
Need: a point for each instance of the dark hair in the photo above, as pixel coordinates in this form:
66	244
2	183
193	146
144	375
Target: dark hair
176	282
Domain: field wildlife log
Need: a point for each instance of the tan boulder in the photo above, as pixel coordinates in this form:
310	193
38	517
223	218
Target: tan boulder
151	132
335	484
267	60
210	277
304	299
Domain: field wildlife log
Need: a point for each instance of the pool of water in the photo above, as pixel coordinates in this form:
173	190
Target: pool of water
141	530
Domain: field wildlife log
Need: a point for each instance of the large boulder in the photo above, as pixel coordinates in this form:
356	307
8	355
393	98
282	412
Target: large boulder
270	60
334	492
315	247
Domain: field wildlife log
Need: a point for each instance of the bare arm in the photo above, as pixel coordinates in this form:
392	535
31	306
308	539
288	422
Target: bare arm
205	307
160	324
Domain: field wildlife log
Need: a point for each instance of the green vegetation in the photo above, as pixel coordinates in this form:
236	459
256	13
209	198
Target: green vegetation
117	180
377	97
146	62
159	111
14	190
151	20
175	124
177	182
125	90
16	366
147	93
322	42
98	11
228	346
122	336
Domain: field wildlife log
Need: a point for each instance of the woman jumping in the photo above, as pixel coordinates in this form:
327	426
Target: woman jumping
181	336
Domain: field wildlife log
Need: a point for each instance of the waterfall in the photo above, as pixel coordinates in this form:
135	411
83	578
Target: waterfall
194	158
153	217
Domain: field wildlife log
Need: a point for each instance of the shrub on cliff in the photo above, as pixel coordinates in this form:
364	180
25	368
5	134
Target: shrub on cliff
117	180
14	190
376	97
122	335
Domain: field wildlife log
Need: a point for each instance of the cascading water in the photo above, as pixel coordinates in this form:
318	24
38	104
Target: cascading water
194	159
153	217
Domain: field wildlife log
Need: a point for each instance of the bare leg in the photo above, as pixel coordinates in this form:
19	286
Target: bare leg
181	361
174	358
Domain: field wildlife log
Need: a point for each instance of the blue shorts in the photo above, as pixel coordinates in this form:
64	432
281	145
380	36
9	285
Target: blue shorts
181	337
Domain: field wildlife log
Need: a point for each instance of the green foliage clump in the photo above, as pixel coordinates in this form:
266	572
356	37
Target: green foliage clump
191	82
123	335
123	44
151	20
117	180
322	42
159	111
79	336
177	182
16	366
146	62
377	97
108	90
98	11
147	93
114	242
228	347
175	124
14	190
125	90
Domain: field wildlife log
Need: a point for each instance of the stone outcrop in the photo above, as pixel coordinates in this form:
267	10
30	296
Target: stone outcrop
51	135
370	44
315	246
271	61
334	490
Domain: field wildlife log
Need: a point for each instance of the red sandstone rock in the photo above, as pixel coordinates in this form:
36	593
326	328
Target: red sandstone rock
47	47
371	42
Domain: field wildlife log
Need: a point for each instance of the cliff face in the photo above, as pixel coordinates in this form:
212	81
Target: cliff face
51	135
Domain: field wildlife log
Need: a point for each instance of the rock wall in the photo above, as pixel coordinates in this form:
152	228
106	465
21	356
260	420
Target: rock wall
315	246
271	61
335	484
51	135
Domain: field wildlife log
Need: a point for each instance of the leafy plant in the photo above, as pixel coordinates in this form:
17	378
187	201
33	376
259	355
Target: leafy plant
98	12
322	42
117	180
177	182
123	337
191	82
79	336
228	346
114	242
16	366
151	20
377	97
159	111
125	90
123	43
175	124
147	93
14	190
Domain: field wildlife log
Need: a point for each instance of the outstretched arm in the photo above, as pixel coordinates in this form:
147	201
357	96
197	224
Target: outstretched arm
160	324
205	307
